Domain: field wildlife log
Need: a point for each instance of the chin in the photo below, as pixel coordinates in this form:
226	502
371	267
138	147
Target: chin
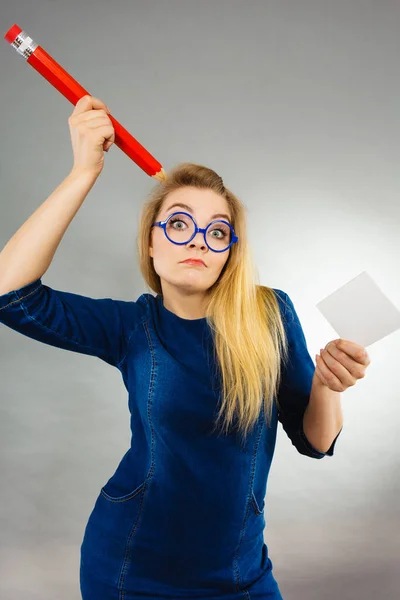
191	286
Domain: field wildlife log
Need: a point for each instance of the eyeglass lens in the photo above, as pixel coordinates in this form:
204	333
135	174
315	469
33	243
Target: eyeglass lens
180	228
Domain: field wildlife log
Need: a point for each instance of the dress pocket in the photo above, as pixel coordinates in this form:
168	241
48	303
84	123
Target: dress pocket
110	533
123	498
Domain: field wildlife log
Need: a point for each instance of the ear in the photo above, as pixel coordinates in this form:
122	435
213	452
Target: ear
151	251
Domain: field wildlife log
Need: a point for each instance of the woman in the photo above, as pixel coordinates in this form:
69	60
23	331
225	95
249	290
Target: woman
210	363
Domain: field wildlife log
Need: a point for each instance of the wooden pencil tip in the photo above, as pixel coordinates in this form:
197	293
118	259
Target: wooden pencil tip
160	176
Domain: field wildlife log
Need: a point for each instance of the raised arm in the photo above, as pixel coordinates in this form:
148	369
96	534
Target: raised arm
100	327
28	254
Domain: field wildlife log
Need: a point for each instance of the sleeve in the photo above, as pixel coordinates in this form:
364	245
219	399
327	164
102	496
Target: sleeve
295	387
98	327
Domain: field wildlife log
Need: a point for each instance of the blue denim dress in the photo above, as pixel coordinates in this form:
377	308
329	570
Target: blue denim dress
182	516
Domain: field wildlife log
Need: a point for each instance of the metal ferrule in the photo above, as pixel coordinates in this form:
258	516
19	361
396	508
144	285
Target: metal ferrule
24	45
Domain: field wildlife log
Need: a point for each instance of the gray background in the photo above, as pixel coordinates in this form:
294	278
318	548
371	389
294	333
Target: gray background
296	105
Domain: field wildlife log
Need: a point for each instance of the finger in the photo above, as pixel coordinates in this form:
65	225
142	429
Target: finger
328	377
93	114
334	372
90	117
88	103
97	121
354	350
320	375
105	125
332	355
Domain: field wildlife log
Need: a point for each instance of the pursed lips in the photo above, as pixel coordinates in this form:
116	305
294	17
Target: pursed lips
194	260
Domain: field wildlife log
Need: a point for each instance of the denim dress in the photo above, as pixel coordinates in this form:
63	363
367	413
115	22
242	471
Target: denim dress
183	514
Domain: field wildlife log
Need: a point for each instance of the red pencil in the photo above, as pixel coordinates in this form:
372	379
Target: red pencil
38	58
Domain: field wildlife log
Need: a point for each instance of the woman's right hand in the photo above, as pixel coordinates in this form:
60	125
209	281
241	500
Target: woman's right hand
92	133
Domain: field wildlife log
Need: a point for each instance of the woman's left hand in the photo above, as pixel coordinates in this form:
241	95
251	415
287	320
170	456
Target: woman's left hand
341	363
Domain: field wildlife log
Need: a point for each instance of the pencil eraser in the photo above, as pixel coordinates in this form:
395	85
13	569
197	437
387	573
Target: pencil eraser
12	33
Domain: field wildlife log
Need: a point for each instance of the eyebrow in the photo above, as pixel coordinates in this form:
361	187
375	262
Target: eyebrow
189	208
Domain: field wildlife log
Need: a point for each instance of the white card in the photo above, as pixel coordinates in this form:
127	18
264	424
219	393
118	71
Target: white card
360	312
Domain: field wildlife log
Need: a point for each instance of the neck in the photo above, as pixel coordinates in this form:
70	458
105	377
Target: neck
186	305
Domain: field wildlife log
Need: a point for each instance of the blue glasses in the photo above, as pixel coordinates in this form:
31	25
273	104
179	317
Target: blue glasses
180	228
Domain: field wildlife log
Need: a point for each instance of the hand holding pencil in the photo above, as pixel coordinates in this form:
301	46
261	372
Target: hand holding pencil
92	134
42	62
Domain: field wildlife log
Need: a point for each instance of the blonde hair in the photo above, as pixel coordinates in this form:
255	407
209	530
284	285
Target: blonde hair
244	317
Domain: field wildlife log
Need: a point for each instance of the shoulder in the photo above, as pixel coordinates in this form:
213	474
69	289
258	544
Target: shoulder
285	302
286	306
136	310
281	296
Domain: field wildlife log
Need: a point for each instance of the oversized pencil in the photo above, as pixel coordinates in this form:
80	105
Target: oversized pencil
38	58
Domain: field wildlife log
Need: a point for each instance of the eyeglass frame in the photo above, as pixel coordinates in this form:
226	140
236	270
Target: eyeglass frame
163	225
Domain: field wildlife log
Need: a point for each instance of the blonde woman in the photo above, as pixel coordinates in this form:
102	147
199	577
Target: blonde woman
211	362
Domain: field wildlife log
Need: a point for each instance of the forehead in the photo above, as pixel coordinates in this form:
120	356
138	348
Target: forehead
197	202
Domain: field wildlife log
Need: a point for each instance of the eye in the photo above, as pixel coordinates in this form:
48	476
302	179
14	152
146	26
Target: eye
175	220
222	229
218	231
179	222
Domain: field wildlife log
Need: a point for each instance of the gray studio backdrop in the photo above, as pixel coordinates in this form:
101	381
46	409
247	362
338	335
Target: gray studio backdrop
296	105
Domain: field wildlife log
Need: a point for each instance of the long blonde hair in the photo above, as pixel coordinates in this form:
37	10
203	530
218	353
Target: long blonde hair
244	317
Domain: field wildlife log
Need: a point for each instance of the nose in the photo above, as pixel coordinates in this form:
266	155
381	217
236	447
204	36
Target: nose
199	233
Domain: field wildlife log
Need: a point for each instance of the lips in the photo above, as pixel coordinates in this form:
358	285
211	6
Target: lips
194	261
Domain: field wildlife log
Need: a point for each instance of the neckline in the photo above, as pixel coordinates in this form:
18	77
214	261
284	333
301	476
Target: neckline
178	319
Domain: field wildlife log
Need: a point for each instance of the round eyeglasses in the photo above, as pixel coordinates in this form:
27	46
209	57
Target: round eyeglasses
180	228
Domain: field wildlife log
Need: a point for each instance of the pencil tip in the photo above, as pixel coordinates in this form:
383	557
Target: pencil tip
161	175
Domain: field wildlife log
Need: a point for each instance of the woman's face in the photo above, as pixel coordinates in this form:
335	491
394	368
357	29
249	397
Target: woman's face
202	205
